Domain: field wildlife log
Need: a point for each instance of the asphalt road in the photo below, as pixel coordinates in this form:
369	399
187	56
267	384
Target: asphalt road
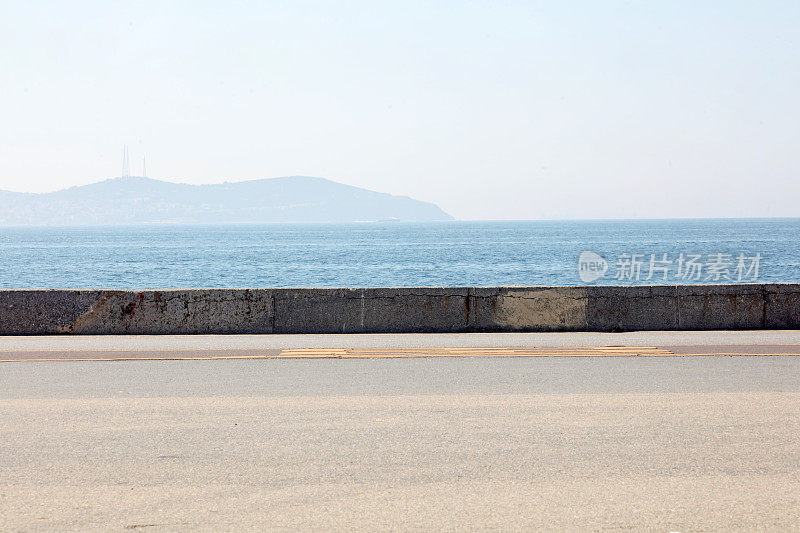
555	443
132	347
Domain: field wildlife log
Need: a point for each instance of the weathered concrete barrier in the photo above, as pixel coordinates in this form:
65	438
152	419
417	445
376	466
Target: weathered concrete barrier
591	308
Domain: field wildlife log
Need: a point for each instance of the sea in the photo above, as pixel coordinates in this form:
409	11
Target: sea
398	254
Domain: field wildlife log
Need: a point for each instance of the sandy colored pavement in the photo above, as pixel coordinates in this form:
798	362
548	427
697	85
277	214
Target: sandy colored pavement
662	444
94	343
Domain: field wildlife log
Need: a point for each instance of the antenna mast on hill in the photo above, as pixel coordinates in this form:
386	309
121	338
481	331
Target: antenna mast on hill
126	164
144	167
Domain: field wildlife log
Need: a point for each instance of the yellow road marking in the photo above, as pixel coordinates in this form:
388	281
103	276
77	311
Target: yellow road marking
565	351
395	353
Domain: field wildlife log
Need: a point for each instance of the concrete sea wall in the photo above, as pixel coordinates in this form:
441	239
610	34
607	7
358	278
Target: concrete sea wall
378	310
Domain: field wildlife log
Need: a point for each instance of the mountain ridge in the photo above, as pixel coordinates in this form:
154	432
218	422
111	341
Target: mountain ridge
141	200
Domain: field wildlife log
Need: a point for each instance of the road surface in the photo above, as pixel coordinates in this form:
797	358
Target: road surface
664	443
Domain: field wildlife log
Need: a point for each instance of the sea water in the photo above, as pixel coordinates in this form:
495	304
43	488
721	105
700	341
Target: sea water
395	254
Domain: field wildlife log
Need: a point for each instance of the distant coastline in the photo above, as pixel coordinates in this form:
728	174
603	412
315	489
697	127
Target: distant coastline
145	201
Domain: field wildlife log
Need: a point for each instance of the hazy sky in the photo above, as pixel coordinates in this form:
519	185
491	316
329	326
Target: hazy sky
498	110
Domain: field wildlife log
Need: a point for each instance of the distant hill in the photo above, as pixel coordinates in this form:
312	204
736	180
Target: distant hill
119	201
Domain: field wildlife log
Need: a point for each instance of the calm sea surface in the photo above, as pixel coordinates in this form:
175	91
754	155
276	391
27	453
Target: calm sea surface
399	254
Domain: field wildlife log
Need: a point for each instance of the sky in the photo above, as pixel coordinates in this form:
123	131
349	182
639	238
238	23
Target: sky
492	110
